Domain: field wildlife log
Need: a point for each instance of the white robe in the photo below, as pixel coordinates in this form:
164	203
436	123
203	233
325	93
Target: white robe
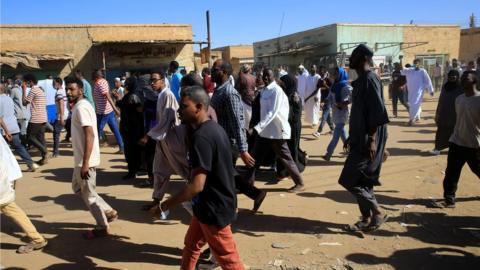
417	81
312	105
302	85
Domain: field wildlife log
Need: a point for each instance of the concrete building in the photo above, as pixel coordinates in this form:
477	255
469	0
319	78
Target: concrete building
238	55
469	44
58	50
331	45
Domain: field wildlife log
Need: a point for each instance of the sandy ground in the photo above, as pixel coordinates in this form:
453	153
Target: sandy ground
309	225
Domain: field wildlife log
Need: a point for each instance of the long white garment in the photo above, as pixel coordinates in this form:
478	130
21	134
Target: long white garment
302	85
312	102
417	81
9	172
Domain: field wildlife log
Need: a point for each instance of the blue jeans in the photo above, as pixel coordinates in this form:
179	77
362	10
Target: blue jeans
18	147
57	129
338	132
109	118
326	117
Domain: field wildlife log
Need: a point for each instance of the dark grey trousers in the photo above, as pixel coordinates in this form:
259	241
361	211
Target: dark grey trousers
365	198
262	148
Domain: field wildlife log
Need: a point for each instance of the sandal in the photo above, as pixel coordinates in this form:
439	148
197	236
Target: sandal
112	215
31	247
360	225
377	222
95	233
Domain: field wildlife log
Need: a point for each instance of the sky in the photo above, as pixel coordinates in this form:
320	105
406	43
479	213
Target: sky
239	22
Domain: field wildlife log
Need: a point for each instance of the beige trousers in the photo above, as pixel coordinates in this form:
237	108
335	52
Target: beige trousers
13	211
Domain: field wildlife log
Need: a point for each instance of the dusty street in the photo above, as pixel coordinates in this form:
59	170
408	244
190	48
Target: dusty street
306	226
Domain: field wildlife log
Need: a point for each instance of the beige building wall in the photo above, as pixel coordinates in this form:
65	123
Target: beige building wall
79	40
469	44
442	40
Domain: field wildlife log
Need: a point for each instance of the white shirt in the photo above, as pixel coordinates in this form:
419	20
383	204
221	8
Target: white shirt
83	115
274	110
61	94
7	112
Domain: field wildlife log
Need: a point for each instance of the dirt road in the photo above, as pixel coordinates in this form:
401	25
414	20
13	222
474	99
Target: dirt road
307	225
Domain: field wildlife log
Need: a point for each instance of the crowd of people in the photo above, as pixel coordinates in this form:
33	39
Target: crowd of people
197	126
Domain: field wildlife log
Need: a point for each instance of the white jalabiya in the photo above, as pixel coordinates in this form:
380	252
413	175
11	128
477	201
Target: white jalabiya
312	100
302	85
417	81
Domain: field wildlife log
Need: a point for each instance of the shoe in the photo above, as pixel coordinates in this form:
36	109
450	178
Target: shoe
410	123
146	183
258	201
31	247
316	134
120	151
449	203
434	152
129	176
44	160
149	206
95	233
33	167
112	215
297	188
326	157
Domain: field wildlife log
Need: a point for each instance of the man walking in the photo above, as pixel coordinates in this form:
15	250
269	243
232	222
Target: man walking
9	172
274	130
36	127
398	89
211	187
417	81
175	79
12	130
302	77
22	113
62	114
170	150
465	141
229	109
437	76
312	97
105	108
368	136
86	153
87	88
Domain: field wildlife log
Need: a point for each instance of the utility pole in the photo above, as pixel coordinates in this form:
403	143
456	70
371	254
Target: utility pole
472	21
209	41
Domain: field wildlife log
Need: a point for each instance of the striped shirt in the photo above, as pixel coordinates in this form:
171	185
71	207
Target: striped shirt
100	91
38	105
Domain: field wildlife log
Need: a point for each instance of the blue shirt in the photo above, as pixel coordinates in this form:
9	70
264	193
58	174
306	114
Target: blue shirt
175	84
